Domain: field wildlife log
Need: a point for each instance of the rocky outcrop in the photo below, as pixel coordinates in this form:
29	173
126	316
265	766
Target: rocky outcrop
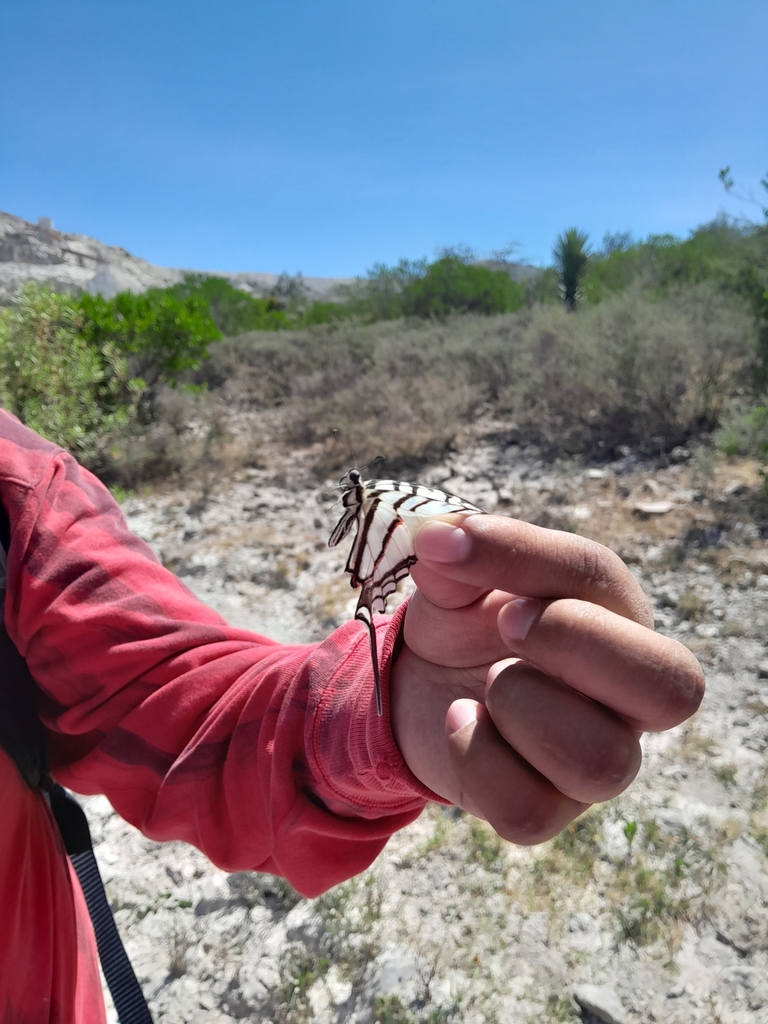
72	263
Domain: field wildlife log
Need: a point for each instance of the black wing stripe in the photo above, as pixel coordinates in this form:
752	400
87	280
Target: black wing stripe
384	546
362	533
343	527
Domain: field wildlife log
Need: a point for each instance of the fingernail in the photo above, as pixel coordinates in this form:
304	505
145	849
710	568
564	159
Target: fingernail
461	713
437	541
517	617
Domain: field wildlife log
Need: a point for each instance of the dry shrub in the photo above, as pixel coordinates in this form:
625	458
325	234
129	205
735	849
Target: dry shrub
191	441
631	371
647	371
404	407
261	368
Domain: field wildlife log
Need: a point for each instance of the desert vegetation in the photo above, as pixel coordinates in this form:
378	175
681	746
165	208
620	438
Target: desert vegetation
649	344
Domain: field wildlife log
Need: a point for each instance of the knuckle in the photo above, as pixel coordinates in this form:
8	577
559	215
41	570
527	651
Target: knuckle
610	768
684	685
675	686
601	575
591	567
527	823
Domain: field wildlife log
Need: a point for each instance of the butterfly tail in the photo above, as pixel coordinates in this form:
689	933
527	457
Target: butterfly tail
376	676
363	613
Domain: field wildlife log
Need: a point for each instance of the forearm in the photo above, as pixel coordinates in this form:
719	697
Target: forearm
264	756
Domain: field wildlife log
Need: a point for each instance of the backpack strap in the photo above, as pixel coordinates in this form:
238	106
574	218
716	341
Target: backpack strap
23	738
126	992
21	734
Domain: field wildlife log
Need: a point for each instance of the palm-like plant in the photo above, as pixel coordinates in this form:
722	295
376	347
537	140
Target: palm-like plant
571	254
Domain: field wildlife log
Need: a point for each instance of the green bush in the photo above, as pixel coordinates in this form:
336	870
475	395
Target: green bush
75	393
324	313
160	335
452	285
378	296
725	254
233	311
417	288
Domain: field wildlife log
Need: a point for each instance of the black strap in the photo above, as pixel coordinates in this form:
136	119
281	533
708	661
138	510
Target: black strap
126	992
23	738
21	733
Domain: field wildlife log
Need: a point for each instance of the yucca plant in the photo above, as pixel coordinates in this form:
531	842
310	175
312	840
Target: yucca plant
571	253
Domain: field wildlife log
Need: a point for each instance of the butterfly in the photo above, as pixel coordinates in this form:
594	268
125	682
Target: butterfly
386	514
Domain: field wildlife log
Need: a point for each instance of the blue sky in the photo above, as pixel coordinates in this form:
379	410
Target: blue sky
314	136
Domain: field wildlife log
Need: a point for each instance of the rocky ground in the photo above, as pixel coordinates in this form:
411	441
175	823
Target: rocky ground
650	908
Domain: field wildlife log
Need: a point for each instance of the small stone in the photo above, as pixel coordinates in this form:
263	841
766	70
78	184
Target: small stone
653	508
319	1001
758	997
174	874
652	486
596	474
394	974
707	629
602	1002
680	454
735	488
339	988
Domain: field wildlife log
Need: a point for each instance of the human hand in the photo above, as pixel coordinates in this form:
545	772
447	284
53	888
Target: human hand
528	672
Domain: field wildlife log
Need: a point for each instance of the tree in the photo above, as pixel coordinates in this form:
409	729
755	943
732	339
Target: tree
571	254
729	185
74	393
231	309
454	285
160	335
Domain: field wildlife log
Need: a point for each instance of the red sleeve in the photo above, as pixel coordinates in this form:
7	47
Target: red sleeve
266	757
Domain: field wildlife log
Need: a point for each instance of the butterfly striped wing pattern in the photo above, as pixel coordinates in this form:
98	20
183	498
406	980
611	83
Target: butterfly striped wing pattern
386	514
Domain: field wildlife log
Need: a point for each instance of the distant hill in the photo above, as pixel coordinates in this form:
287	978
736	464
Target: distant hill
517	271
71	263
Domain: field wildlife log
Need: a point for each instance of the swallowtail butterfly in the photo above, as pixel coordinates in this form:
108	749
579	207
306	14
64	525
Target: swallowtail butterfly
386	514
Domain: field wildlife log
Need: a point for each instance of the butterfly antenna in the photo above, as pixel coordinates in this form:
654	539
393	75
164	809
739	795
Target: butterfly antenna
379	458
352	455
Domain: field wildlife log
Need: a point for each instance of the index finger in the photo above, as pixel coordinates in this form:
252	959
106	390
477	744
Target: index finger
496	553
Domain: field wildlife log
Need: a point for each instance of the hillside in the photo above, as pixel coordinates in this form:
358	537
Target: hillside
72	262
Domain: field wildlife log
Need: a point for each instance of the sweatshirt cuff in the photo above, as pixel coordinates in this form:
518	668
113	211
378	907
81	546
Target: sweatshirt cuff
354	752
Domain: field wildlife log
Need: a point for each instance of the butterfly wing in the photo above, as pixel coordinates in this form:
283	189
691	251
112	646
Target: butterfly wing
388	513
